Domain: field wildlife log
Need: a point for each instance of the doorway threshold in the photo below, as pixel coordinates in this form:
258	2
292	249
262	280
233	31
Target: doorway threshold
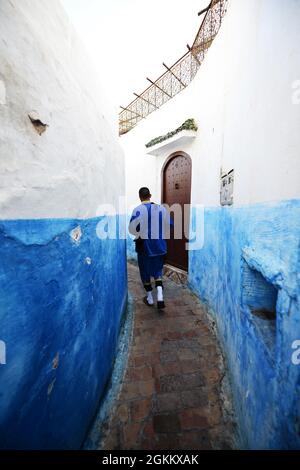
176	274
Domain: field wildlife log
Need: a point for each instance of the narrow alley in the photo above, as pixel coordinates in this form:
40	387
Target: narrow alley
172	395
149	153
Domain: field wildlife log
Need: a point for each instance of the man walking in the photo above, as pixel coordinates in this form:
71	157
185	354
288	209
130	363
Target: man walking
148	224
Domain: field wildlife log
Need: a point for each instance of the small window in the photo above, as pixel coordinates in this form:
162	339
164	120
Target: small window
260	296
226	191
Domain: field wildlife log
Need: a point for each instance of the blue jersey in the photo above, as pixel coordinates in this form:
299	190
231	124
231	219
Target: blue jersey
149	223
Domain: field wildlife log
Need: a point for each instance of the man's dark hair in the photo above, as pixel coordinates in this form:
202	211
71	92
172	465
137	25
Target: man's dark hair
144	193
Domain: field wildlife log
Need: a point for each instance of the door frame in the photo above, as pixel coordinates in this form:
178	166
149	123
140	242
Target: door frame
178	153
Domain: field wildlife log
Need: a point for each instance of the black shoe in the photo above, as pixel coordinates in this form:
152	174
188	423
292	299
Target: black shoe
160	304
145	300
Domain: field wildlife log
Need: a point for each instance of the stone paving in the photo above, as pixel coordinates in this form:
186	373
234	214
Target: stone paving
173	394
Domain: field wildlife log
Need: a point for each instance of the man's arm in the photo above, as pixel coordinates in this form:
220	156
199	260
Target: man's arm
134	224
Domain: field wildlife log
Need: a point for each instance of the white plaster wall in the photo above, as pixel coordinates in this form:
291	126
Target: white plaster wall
242	101
77	163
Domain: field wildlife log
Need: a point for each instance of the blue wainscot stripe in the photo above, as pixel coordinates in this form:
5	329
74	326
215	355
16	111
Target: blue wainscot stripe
63	294
250	260
131	253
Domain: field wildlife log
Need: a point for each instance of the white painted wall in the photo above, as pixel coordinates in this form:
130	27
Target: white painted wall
77	163
242	100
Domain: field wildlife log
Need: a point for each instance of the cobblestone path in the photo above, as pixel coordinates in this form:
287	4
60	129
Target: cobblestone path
172	395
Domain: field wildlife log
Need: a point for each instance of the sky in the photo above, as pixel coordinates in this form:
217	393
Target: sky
127	40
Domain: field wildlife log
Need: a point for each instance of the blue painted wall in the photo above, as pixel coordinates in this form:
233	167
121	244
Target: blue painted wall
131	253
61	305
255	249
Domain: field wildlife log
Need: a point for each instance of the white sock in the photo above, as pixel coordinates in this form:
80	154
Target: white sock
160	296
150	298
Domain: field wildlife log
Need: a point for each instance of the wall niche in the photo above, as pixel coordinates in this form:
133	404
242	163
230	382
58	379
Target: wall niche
259	296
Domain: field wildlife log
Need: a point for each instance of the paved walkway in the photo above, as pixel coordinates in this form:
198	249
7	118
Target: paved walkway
171	397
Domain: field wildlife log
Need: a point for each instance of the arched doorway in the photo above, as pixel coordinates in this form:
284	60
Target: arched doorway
176	189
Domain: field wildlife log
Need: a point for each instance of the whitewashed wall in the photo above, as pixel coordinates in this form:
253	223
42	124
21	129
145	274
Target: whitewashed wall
242	100
77	163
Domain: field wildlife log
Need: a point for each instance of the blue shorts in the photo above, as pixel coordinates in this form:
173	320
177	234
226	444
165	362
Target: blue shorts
150	266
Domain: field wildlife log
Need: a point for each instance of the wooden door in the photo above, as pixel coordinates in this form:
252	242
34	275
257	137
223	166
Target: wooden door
177	190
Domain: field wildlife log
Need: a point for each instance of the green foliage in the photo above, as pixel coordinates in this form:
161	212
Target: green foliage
188	125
